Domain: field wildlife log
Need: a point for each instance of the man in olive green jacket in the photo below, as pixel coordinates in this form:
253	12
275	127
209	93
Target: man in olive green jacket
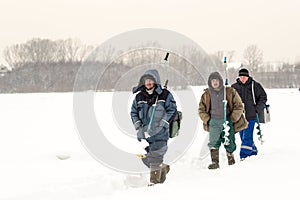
211	112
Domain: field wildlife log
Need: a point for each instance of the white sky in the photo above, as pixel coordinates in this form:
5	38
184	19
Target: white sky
216	25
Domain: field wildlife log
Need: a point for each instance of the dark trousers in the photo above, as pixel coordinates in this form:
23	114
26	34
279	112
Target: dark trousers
155	153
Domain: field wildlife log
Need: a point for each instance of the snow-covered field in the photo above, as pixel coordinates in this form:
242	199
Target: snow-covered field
36	128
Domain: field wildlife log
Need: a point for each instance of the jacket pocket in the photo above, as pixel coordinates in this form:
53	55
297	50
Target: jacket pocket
140	111
241	124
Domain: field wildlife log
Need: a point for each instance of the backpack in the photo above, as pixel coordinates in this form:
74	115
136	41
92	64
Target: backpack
175	124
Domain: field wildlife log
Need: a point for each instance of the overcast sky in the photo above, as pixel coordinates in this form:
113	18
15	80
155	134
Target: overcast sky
274	25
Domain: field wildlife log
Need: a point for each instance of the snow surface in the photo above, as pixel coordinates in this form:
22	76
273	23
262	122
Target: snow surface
36	128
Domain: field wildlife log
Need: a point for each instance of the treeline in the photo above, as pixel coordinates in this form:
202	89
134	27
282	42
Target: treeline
283	79
288	76
39	51
43	65
271	75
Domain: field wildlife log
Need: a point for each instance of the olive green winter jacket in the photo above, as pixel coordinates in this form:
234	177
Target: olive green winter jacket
234	104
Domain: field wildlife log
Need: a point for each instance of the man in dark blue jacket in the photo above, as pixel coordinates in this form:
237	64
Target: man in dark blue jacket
254	98
152	110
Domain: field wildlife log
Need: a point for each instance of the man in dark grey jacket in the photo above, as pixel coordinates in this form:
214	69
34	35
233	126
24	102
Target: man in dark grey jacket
152	110
247	89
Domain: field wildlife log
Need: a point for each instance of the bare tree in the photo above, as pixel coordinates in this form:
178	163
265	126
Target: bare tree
44	51
253	57
15	55
35	51
75	50
8	56
40	51
60	53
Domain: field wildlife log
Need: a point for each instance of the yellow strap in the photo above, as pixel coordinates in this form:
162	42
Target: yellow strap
141	155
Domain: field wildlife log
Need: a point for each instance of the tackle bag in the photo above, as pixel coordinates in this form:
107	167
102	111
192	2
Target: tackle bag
174	126
264	115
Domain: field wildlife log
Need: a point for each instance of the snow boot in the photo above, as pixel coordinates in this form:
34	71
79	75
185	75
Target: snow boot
164	170
155	174
230	158
214	153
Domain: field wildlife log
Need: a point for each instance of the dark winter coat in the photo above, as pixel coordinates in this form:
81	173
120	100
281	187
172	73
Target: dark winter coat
234	106
245	92
141	109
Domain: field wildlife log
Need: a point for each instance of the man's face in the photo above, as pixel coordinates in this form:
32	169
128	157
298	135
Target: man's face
149	84
243	79
215	83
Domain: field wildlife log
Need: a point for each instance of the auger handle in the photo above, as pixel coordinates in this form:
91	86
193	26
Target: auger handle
167	56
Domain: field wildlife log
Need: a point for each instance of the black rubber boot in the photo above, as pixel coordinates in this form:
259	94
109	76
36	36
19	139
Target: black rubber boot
155	174
214	153
230	158
164	170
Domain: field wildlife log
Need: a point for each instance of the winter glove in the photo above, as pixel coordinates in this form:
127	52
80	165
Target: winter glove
143	133
140	133
138	124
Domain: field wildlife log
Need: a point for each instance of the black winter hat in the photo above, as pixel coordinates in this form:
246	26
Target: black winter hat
244	72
